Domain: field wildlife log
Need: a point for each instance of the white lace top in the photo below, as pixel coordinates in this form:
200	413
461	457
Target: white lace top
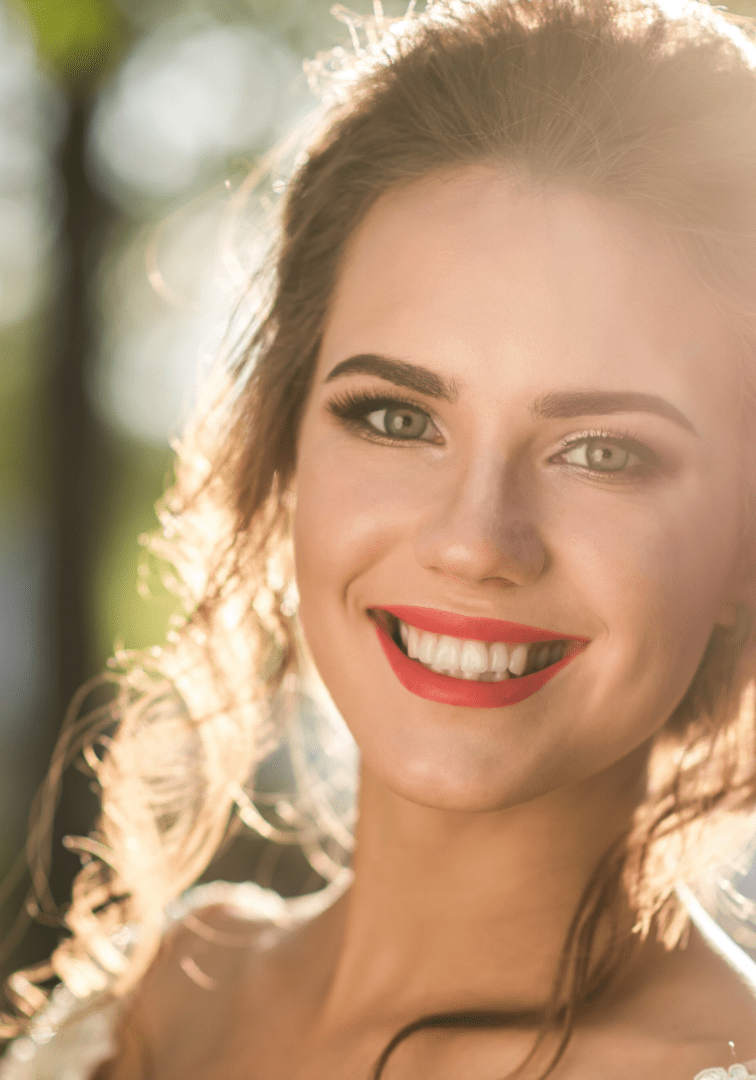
70	1038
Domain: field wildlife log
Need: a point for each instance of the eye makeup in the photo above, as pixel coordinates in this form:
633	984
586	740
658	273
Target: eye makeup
601	459
354	408
599	444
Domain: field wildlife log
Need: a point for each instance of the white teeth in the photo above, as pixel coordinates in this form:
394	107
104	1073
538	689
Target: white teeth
447	653
473	658
426	649
499	657
518	659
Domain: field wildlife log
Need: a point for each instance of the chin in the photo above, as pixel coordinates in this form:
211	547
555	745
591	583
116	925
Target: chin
457	778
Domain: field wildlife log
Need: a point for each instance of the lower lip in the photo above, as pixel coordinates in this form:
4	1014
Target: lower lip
466	692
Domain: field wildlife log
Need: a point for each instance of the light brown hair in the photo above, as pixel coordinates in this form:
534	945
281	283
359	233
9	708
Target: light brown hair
625	100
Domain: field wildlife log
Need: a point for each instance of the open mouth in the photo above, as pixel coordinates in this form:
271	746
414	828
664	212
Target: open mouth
478	661
476	671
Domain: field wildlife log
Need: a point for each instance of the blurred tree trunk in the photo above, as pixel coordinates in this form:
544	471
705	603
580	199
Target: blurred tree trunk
74	437
79	40
76	480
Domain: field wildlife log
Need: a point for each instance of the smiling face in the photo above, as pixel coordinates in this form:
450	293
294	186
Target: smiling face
522	411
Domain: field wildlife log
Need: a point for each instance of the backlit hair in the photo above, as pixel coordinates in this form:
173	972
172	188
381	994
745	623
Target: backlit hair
650	105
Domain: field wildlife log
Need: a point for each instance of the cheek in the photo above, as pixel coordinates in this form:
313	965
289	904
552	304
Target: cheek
656	578
348	515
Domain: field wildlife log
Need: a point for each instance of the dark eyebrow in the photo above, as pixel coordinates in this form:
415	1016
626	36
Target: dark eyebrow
561	405
413	376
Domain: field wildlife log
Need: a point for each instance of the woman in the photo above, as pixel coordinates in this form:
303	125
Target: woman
501	401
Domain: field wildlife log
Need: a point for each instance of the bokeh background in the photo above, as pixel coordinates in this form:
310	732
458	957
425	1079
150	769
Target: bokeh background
126	129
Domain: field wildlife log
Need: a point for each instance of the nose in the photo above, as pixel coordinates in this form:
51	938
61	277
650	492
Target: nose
483	528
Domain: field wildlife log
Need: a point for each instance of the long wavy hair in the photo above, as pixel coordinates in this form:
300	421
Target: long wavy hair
648	104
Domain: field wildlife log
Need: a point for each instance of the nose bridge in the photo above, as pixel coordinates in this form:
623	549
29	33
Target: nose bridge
484	524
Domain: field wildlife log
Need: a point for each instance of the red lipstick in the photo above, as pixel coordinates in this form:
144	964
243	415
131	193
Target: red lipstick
469	627
469	693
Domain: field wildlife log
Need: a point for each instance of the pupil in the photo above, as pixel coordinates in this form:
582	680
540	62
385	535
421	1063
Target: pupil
608	457
405	423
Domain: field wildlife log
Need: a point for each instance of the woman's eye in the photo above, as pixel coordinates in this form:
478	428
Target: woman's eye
402	422
385	417
600	455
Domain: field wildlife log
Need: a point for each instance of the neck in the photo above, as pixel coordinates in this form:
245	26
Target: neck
463	910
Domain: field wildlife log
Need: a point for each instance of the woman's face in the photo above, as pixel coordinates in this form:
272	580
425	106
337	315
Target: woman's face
522	414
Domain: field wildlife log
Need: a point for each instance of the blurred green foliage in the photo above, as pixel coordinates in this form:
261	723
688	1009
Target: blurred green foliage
137	476
79	38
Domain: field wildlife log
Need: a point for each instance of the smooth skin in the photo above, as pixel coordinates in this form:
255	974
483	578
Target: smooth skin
479	828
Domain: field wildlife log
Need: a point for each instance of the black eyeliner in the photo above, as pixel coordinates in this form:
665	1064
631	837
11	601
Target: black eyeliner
352	408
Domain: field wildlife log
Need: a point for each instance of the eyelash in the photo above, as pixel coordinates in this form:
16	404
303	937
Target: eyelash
354	407
649	460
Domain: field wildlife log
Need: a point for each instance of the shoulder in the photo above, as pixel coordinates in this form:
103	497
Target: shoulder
215	960
207	954
201	962
211	935
218	933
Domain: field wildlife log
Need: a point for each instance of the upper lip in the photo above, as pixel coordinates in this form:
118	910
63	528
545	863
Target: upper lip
474	627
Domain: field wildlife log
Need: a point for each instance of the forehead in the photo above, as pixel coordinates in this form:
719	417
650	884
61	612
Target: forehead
482	275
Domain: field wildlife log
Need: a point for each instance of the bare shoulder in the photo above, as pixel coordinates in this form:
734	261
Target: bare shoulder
206	963
721	997
688	1008
183	1005
224	973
